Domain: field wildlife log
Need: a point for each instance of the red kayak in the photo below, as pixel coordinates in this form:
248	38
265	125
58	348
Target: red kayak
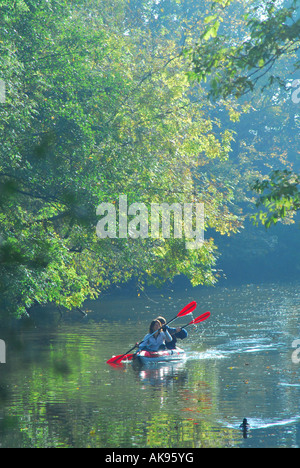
167	355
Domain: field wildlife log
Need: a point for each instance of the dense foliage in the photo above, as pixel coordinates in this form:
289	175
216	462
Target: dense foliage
101	101
94	108
261	55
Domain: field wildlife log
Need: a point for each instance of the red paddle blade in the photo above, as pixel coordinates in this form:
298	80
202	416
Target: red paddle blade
120	358
201	318
188	309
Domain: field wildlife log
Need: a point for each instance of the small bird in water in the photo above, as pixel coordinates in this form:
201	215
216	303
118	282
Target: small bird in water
244	427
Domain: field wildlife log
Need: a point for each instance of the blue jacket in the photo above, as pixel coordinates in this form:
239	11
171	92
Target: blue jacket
181	335
152	343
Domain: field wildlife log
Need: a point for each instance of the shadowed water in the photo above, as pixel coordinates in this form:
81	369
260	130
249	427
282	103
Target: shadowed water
57	390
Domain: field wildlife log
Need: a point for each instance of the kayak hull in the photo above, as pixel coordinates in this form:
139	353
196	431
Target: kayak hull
156	357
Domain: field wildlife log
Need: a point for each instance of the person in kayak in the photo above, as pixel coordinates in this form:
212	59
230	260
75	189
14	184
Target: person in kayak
155	341
175	333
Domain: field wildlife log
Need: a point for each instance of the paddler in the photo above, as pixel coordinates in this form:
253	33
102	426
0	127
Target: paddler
176	333
156	339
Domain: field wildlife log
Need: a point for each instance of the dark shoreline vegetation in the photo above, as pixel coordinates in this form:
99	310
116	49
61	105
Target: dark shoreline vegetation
174	101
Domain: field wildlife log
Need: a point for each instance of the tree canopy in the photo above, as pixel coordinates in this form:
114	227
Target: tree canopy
101	100
97	104
262	55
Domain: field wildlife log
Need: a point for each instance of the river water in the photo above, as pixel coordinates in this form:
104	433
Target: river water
56	389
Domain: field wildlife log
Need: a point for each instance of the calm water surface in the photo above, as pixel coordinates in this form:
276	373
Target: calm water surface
56	389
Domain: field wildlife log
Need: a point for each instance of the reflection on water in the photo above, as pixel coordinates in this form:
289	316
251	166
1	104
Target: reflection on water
57	390
164	375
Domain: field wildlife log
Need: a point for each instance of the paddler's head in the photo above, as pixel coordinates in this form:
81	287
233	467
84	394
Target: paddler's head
154	326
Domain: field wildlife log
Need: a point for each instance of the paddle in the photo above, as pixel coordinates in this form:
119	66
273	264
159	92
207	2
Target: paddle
188	309
199	319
